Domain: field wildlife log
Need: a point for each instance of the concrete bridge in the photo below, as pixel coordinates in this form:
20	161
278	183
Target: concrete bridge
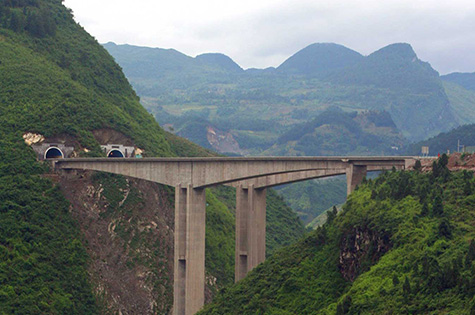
251	177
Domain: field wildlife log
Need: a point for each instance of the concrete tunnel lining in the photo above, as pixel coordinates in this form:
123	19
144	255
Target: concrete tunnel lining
115	153
54	153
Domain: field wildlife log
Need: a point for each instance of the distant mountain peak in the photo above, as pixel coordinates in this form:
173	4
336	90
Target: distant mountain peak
401	50
220	60
320	58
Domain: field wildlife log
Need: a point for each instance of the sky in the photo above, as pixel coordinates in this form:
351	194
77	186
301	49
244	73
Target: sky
263	33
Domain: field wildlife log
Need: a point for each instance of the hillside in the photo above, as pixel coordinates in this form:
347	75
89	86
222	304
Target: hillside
87	243
446	141
466	80
462	102
317	77
320	59
335	132
404	243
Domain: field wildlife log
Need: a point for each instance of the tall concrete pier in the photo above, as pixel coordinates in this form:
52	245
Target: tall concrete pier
251	177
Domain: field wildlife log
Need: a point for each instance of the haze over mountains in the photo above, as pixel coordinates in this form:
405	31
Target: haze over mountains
252	108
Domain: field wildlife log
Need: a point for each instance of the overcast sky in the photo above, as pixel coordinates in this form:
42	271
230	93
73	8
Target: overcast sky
263	33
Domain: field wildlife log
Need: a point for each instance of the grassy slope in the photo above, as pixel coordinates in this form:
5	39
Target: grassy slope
462	101
430	249
66	84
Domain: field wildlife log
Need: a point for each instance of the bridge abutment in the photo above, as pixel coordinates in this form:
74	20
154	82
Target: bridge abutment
189	265
250	229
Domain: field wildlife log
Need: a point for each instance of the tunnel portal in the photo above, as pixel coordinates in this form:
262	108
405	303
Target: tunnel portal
54	153
114	153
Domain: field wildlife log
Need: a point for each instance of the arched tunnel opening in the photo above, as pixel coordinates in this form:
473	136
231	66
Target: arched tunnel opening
54	153
114	153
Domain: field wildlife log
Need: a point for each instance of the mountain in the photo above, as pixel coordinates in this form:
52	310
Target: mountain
403	243
466	80
335	132
446	141
319	59
219	61
462	102
412	91
85	242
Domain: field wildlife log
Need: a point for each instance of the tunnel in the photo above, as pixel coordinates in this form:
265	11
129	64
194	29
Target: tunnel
54	153
114	153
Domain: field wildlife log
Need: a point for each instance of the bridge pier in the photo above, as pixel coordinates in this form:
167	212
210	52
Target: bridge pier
250	229
189	264
354	176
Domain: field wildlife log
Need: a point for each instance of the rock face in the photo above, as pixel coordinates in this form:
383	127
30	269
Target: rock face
360	249
221	141
128	228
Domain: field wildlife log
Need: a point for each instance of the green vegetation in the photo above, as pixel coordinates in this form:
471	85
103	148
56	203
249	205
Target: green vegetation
466	80
319	76
312	198
404	243
338	133
42	260
58	81
446	141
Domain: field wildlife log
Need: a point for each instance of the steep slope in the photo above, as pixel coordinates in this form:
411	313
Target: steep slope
466	80
403	243
320	59
462	102
108	249
219	61
446	141
412	91
335	132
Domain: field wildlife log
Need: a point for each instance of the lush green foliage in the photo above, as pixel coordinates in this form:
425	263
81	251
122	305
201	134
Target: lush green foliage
42	259
62	83
338	133
408	260
467	80
310	199
446	141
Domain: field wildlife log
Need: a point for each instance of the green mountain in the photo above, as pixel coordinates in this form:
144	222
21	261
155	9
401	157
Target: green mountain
90	243
335	132
319	76
446	141
310	199
466	80
409	89
219	61
403	244
320	59
462	102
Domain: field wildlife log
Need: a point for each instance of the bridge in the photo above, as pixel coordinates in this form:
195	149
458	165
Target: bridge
251	177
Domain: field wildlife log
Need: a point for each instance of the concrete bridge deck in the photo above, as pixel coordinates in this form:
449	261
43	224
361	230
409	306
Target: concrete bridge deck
250	176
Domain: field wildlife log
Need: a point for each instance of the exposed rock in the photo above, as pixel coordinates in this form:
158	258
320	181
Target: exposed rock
359	249
221	141
33	138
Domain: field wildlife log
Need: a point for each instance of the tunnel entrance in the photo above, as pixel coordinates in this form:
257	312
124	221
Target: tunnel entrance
114	153
54	153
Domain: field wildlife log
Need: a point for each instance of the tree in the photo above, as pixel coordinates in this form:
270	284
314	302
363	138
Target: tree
406	287
425	209
418	166
438	206
445	230
470	254
331	214
395	280
344	306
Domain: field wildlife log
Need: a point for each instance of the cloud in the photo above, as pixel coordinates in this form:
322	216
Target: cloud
264	33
